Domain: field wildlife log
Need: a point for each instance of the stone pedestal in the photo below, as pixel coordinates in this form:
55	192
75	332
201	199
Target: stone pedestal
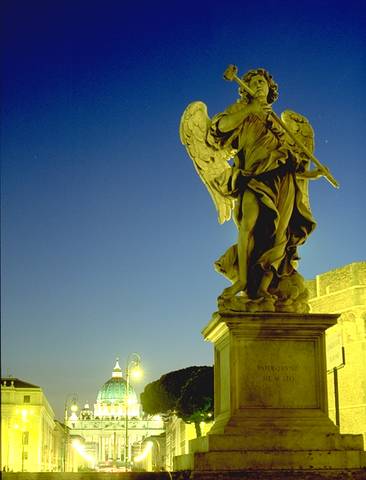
271	398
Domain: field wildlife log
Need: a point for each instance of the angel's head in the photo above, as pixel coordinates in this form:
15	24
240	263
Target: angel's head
270	87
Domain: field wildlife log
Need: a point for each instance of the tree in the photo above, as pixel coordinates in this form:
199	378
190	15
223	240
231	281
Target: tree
156	399
195	403
187	392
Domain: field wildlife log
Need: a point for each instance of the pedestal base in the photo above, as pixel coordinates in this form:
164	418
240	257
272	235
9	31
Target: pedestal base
271	399
333	474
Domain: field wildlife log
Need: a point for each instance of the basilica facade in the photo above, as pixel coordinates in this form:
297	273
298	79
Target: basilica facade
115	428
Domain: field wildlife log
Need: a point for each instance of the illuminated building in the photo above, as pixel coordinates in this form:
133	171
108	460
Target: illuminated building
27	426
343	291
32	440
153	454
104	427
178	435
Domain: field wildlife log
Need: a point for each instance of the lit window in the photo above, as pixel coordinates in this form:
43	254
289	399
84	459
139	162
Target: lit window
26	399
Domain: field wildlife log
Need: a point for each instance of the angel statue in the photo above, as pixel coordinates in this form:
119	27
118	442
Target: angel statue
264	188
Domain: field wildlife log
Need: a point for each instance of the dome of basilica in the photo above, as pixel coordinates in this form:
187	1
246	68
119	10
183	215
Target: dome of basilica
111	398
114	391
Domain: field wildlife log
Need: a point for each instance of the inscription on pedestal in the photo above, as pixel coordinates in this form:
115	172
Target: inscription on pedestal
277	374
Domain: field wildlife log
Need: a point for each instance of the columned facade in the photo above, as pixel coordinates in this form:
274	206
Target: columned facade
116	417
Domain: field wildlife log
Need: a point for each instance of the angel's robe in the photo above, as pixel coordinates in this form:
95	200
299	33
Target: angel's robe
265	165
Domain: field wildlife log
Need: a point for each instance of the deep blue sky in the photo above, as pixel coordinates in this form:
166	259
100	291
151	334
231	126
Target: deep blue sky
108	235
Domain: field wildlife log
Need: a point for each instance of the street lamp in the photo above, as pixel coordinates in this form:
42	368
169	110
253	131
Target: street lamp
70	400
73	407
133	369
24	442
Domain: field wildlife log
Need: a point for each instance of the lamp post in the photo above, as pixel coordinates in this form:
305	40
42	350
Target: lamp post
23	450
334	370
73	418
73	406
133	367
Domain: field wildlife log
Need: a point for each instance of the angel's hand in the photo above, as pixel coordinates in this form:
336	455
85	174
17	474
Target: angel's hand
233	117
259	108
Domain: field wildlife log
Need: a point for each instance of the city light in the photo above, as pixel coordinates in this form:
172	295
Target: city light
81	451
73	417
136	372
145	453
73	407
76	444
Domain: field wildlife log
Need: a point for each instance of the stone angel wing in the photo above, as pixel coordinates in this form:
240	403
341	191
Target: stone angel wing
300	127
210	163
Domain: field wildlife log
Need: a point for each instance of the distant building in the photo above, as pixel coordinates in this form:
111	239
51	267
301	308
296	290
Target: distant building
31	439
343	291
153	454
104	427
178	435
158	451
27	425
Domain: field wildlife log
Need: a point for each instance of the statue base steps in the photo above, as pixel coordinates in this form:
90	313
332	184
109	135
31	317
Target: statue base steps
271	400
242	460
354	474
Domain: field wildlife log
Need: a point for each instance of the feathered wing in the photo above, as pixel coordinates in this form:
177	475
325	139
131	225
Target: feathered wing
210	163
300	127
304	133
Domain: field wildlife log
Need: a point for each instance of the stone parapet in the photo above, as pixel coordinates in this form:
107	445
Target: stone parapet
343	278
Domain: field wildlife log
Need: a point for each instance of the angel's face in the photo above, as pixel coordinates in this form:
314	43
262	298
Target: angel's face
259	86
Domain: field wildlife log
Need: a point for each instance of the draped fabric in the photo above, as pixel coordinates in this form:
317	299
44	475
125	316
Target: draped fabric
265	165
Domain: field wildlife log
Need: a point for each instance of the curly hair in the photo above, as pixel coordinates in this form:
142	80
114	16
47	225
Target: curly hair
272	85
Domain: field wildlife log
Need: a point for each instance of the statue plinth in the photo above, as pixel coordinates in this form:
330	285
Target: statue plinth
271	407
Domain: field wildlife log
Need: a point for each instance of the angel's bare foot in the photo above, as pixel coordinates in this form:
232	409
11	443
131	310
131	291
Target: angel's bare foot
265	295
229	292
266	300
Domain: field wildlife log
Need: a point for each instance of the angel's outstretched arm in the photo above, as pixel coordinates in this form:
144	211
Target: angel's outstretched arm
231	118
237	113
224	126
